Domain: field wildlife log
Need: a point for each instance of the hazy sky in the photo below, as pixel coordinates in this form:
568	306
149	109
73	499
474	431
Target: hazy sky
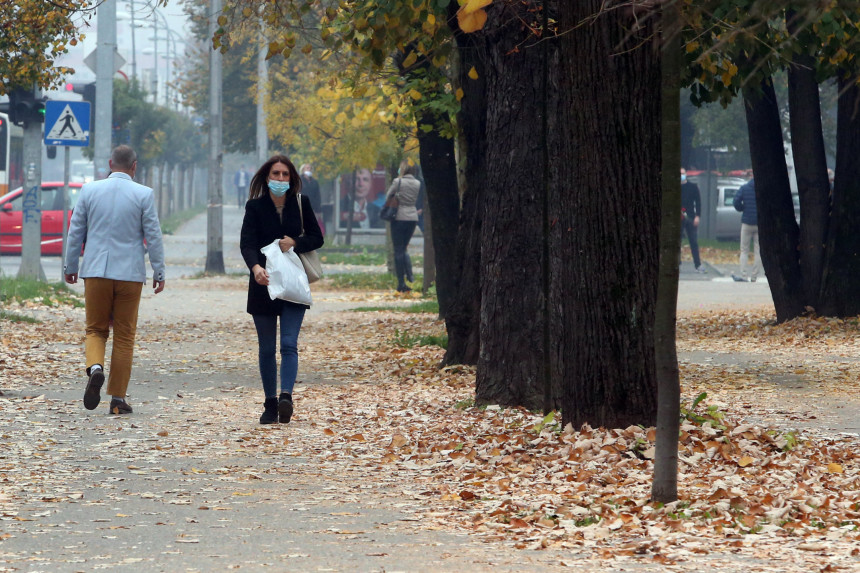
143	39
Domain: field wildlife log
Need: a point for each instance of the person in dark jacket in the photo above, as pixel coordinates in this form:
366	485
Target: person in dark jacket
272	213
691	208
744	201
311	188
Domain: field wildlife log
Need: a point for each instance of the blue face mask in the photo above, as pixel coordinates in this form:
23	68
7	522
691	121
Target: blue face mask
683	178
279	188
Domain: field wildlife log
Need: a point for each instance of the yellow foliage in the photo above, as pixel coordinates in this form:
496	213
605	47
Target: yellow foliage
474	5
471	21
473	73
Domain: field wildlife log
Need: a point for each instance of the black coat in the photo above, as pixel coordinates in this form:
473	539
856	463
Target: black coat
260	227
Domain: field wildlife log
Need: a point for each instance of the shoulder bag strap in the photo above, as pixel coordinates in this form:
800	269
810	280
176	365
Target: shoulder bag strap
396	191
301	215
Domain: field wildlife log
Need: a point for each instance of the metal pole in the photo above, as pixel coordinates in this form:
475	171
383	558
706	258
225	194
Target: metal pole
67	168
31	231
105	58
155	55
215	222
133	47
262	81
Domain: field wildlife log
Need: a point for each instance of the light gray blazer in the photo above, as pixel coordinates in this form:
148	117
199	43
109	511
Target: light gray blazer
113	216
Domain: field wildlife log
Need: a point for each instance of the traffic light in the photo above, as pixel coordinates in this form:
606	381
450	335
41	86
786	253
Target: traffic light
88	91
25	107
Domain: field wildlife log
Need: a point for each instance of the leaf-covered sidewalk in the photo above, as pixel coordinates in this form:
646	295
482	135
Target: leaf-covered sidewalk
387	465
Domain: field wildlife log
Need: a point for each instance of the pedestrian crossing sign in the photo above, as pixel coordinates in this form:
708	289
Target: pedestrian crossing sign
67	123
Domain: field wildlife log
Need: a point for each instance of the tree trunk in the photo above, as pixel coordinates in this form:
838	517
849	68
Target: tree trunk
841	281
665	485
462	318
511	362
778	230
429	251
182	204
810	167
439	166
609	217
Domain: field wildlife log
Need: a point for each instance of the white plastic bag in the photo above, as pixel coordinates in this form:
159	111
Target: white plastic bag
287	278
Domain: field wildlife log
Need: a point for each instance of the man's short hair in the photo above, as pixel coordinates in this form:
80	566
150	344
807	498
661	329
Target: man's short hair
123	157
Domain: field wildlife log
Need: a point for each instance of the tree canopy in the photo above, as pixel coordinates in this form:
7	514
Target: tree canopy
34	34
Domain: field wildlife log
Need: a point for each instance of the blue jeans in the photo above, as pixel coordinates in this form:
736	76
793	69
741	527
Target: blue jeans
267	326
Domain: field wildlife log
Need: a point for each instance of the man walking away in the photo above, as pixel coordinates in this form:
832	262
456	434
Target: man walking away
744	201
691	208
114	216
241	180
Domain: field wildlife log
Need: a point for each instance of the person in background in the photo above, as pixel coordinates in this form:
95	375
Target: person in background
406	188
240	181
691	206
744	201
272	213
311	188
114	216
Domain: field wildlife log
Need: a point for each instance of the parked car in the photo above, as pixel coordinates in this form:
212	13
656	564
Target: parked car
728	221
11	218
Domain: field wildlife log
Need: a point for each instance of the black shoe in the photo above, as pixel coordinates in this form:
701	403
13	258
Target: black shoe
285	408
120	407
404	289
270	412
92	395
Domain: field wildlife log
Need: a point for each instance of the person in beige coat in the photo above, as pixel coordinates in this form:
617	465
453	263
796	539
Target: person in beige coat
406	188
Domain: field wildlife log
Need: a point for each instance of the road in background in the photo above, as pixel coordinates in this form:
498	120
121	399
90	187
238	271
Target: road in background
185	252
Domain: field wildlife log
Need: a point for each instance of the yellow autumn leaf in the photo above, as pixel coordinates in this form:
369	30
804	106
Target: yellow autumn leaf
474	5
692	47
459	94
410	59
745	461
431	19
471	21
415	94
727	78
473	73
834	468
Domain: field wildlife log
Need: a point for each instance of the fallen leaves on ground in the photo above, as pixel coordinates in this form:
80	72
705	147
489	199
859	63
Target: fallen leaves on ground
380	422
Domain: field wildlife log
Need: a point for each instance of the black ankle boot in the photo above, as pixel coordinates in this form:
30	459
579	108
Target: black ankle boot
270	413
285	408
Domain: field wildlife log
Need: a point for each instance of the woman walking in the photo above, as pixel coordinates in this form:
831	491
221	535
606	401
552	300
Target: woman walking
272	213
406	189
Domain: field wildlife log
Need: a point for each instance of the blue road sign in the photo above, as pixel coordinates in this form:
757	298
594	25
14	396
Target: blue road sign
67	123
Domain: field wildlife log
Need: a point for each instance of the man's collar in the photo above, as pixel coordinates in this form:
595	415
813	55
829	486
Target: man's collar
120	175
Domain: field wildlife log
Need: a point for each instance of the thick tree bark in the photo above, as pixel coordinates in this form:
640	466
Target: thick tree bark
609	218
778	230
512	356
841	281
665	485
462	318
810	167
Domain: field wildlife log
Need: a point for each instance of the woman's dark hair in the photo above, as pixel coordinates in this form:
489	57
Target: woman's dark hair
259	182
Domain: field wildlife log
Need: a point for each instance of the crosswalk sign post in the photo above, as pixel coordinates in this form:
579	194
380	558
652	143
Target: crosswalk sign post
67	123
